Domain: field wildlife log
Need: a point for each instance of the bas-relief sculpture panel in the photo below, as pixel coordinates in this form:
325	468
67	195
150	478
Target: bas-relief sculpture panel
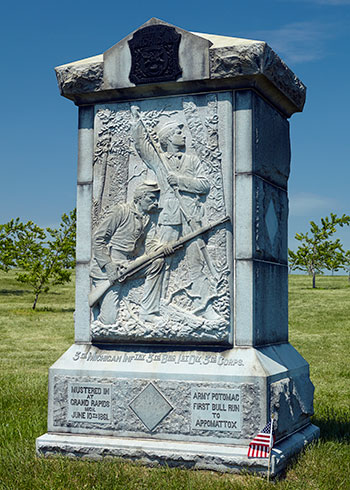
161	221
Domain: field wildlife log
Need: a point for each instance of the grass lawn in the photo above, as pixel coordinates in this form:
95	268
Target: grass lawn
32	340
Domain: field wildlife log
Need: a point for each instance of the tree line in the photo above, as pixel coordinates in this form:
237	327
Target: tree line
44	257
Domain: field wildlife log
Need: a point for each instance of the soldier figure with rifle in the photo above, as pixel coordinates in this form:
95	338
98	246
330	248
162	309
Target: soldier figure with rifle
146	260
183	188
120	238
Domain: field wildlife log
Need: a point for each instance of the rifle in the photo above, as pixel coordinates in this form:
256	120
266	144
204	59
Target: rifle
201	245
147	259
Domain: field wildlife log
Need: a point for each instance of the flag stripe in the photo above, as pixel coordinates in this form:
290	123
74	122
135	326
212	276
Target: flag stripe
256	451
260	446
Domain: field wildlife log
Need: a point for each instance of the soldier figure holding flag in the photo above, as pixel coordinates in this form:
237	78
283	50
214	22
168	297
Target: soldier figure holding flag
183	188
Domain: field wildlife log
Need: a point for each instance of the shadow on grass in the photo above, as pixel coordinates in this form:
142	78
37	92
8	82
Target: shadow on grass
42	309
333	426
20	292
323	288
16	292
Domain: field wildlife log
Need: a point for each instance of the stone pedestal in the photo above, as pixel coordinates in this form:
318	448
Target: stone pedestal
186	358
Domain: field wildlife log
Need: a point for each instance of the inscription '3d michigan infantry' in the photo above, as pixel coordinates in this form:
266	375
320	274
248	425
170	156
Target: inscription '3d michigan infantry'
160	269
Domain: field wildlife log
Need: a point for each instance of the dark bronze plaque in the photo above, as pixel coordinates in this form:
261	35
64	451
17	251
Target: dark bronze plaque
155	55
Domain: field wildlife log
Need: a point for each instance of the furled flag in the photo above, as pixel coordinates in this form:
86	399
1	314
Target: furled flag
262	443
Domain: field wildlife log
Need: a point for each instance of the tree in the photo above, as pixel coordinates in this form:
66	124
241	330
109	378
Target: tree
9	233
347	263
336	261
44	257
317	252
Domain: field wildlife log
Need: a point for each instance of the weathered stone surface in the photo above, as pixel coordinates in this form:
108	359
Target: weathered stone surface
176	375
271	214
292	403
254	58
85	145
202	57
261	305
270	303
262	139
81	76
193	56
82	310
224	458
151	406
172	400
270	143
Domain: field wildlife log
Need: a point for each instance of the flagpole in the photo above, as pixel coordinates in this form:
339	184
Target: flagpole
270	449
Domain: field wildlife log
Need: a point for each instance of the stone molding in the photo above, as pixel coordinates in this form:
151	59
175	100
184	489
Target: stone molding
232	62
76	78
253	59
198	456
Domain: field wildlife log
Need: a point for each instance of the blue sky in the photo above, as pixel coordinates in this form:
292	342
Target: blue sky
39	127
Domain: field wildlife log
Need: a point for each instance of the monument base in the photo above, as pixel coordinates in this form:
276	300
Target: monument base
193	408
218	457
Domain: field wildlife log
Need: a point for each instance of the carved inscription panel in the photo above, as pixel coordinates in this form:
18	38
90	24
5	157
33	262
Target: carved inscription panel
158	407
162	212
217	410
90	402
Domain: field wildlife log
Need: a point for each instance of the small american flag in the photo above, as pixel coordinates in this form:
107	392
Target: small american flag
262	443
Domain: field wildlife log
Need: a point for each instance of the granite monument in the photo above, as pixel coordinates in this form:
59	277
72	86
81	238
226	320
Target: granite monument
181	348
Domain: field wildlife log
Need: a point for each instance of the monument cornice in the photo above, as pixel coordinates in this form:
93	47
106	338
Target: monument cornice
226	63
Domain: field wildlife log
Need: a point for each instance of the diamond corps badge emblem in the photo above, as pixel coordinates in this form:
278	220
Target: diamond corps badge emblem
155	55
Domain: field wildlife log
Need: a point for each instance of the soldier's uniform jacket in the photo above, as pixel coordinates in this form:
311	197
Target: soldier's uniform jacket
120	236
192	185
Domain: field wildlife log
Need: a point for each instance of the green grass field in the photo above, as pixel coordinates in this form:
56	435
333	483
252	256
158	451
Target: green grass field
32	340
